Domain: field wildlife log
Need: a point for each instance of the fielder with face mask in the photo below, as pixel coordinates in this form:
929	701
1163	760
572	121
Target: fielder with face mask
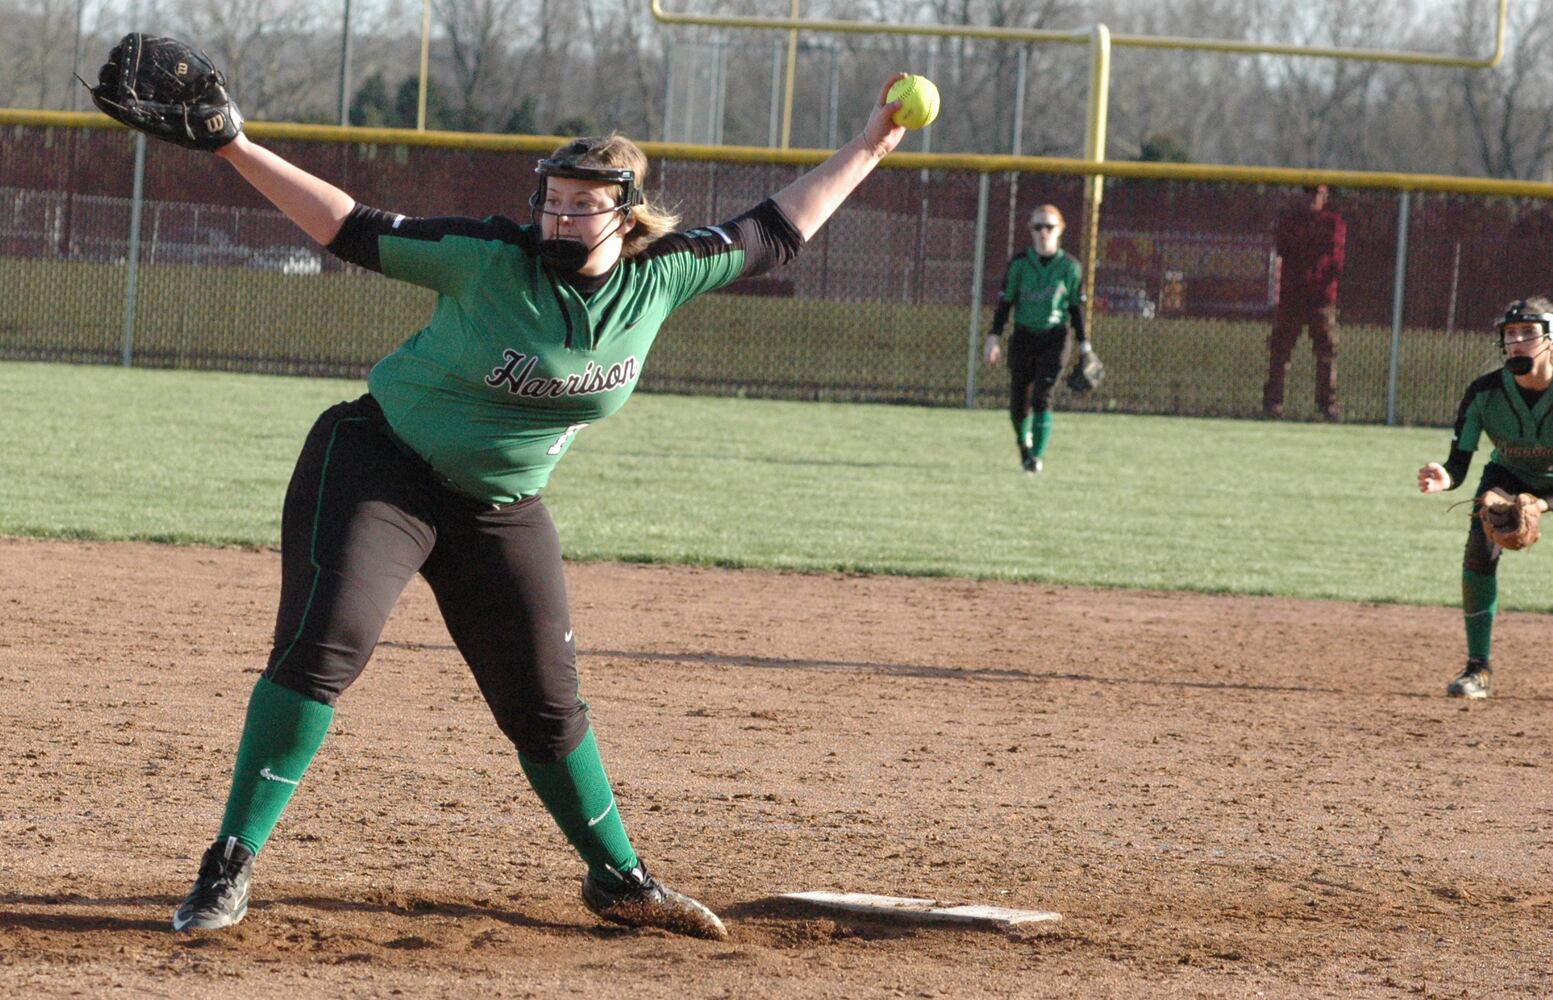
539	330
1513	406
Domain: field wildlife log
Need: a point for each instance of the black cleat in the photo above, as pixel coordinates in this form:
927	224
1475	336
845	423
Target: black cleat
1032	465
643	901
220	894
1473	682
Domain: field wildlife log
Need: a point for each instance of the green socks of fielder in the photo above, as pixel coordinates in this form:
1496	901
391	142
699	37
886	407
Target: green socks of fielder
1479	602
281	734
283	731
576	792
1042	429
1034	430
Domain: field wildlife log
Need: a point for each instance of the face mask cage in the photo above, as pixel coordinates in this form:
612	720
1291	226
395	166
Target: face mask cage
1520	314
631	195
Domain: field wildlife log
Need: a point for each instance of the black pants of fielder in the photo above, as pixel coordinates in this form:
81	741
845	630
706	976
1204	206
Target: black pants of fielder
1035	362
361	518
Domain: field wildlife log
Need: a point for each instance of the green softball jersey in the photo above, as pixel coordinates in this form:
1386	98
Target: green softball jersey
1522	434
1042	291
516	360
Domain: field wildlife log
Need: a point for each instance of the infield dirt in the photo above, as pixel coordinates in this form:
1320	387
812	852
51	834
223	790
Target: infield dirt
1224	797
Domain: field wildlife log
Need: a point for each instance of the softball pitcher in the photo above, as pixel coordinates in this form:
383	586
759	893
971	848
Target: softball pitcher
1044	290
1513	406
539	331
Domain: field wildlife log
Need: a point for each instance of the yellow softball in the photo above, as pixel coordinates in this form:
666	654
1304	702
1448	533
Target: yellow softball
919	101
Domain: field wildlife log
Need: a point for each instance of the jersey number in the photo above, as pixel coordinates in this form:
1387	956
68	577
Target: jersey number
560	442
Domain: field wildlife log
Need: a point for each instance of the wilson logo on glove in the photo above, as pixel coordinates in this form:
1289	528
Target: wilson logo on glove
162	87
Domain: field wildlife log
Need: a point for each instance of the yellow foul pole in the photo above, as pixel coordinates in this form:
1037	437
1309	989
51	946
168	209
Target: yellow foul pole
792	72
1094	150
420	101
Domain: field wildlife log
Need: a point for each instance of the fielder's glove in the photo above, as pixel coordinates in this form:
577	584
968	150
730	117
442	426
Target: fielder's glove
1087	371
1511	522
164	88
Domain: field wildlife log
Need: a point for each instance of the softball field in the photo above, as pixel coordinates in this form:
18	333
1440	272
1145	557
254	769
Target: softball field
1220	796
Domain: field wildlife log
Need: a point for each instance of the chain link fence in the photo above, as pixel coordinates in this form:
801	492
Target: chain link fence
887	303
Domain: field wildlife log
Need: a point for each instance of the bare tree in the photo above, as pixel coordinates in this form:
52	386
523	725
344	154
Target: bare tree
481	39
43	36
509	65
1322	103
1507	109
1211	104
270	50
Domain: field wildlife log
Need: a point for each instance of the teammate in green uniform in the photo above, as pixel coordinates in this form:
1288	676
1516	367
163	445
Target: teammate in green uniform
539	331
1513	406
1044	290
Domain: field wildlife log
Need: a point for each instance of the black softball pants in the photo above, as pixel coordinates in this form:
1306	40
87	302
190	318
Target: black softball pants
1035	362
362	516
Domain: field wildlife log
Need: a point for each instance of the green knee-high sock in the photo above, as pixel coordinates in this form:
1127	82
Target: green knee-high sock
576	792
282	732
1024	428
1479	602
1043	433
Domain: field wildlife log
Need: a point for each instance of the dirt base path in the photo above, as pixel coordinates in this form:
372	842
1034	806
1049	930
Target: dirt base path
1224	797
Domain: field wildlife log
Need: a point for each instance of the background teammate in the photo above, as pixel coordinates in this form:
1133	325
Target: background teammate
1043	287
1311	242
1513	406
538	331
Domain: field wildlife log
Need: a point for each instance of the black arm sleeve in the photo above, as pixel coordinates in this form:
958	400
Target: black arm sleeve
1460	461
357	240
1456	467
764	233
769	236
1076	318
1000	317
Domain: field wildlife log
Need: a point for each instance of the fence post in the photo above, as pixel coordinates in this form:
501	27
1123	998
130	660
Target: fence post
1396	311
667	134
978	271
776	94
1450	312
132	255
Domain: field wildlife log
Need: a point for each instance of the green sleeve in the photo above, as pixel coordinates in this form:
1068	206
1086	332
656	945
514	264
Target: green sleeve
687	274
1470	426
1011	281
443	254
445	265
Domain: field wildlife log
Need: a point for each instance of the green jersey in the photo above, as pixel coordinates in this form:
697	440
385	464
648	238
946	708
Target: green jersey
1042	291
1522	434
515	360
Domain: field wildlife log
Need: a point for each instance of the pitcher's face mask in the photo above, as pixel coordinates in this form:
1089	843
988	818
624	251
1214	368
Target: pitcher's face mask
573	221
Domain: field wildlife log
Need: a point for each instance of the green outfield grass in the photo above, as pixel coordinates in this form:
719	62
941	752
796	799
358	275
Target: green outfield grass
1230	506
